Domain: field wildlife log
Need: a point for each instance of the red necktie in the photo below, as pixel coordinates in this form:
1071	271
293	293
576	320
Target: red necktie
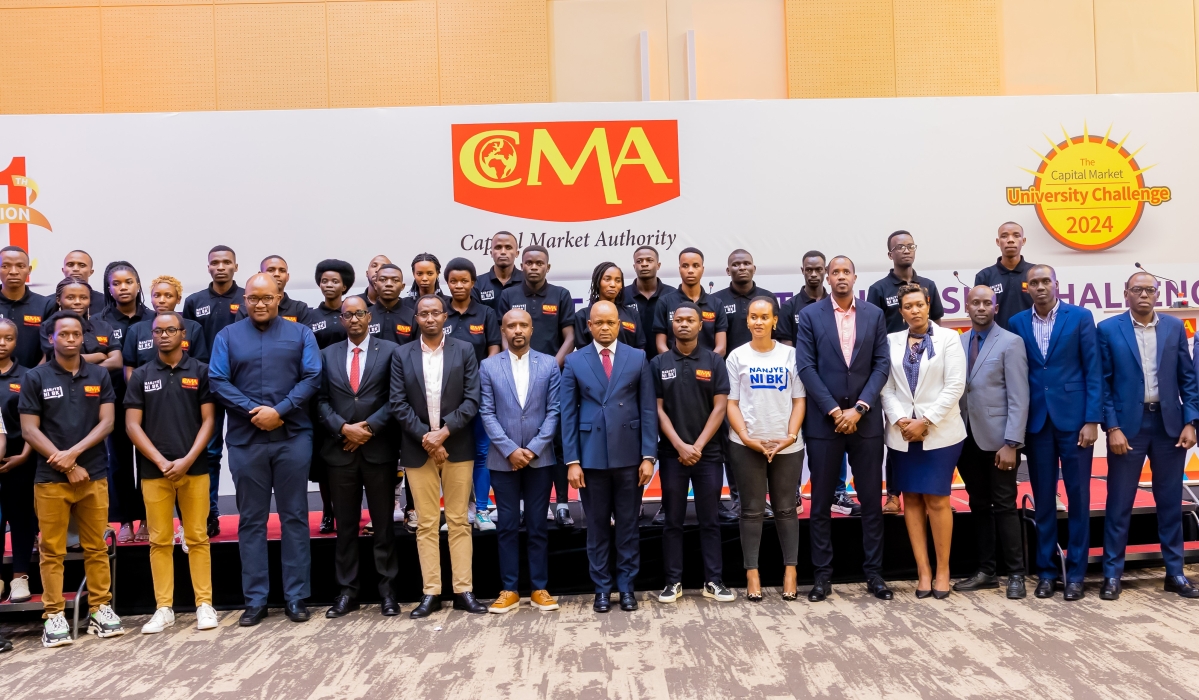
607	360
355	372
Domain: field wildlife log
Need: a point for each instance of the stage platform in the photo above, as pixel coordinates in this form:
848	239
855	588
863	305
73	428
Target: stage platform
568	555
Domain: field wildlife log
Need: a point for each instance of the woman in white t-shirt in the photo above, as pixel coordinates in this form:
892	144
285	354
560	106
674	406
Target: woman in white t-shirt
766	409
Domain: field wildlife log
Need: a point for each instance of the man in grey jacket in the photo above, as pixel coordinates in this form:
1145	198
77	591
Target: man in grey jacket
995	408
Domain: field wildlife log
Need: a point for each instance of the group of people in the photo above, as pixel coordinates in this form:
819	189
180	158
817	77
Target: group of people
471	385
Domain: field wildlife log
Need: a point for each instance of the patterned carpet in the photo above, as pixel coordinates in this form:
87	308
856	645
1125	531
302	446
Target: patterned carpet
972	645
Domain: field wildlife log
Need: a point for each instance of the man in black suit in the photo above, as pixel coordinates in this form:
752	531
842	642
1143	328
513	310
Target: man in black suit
434	397
842	356
354	407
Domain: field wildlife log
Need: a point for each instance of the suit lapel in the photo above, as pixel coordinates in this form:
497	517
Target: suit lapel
618	365
371	358
1060	324
830	319
899	351
1160	334
859	325
418	362
506	370
597	367
339	367
1130	336
445	363
988	345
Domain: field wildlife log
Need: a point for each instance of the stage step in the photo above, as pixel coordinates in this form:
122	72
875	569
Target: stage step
1147	553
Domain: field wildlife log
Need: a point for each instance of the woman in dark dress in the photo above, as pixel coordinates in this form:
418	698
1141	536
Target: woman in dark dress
925	432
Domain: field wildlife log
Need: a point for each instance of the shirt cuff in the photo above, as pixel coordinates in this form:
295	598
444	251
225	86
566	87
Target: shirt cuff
859	401
652	459
572	463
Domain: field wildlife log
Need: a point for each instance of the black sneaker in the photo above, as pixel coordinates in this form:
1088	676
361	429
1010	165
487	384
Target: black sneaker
846	505
671	593
104	623
214	525
718	591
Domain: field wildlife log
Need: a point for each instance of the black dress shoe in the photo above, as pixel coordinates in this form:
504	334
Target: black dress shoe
977	582
214	525
1110	590
628	602
466	602
1074	591
327	525
728	516
602	603
767	512
297	611
1015	587
659	518
819	592
342	606
252	616
5	645
428	605
1045	588
878	588
390	608
1182	586
922	594
562	517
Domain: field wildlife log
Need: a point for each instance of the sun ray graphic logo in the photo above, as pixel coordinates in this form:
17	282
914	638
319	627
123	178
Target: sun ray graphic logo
15	211
1089	191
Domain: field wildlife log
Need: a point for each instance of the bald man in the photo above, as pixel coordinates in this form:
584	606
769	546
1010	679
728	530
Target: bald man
519	410
265	370
610	442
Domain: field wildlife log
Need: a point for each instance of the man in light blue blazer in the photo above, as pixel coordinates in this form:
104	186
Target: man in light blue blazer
519	410
1150	403
1065	406
610	441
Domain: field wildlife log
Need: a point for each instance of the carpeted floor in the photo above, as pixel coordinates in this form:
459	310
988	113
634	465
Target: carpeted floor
1145	645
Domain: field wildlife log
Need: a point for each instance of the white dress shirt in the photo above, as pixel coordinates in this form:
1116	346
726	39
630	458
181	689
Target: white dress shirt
361	356
432	362
1147	343
600	349
520	375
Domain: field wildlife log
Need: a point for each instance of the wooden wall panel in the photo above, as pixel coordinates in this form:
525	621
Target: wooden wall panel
1048	48
493	51
50	60
158	58
740	48
383	53
946	48
840	48
271	56
1145	45
596	50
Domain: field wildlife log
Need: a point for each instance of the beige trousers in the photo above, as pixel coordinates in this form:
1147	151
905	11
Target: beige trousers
429	482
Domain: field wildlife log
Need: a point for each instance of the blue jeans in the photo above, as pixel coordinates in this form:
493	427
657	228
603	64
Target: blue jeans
482	475
216	446
841	485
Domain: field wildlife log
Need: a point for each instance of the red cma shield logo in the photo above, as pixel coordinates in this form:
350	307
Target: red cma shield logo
566	171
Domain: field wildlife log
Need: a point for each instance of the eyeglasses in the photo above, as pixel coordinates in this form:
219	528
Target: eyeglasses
261	301
351	315
1143	291
904	248
168	332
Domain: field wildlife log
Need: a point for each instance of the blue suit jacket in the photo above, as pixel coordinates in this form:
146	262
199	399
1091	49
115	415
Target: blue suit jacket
613	423
508	424
1124	378
1066	386
829	382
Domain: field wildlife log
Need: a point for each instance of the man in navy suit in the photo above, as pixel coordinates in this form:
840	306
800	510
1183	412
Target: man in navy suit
519	409
843	358
1150	403
609	441
1065	391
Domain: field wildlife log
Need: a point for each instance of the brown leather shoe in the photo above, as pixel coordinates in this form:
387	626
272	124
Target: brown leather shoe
891	507
507	602
542	600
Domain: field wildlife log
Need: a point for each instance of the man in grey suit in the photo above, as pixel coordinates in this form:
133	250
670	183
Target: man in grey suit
995	408
519	409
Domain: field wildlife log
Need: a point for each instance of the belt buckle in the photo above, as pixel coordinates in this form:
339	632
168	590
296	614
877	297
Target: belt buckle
1153	406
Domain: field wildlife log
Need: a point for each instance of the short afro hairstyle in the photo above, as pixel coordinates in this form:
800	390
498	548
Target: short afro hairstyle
341	267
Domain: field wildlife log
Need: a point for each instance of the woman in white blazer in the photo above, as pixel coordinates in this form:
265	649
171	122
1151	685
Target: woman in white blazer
925	432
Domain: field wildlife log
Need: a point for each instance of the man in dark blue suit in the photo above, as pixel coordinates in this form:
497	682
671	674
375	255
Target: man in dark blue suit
1150	403
1065	392
843	358
609	442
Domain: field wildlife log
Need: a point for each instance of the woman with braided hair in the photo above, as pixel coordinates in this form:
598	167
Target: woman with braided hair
607	284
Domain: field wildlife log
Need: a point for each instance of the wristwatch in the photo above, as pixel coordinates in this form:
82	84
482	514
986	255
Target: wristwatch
862	408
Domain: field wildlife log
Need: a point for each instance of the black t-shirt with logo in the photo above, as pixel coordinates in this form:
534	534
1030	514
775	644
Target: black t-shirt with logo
170	400
69	407
213	311
10	390
551	308
1010	286
477	326
137	348
397	324
98	336
28	312
488	289
736	308
688	385
326	325
788	325
646	308
710	309
631	333
885	295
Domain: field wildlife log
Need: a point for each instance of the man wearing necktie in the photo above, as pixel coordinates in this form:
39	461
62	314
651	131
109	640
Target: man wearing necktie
610	441
353	406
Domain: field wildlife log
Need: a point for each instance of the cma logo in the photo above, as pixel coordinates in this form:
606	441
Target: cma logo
566	171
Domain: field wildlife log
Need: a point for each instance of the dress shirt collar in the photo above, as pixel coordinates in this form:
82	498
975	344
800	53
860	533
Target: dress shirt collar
366	341
853	305
426	349
1137	324
600	348
1052	312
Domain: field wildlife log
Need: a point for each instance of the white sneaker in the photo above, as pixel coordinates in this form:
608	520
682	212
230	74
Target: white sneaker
397	513
56	632
206	618
163	618
1061	506
413	521
179	540
551	515
671	593
104	623
445	527
483	521
20	590
718	591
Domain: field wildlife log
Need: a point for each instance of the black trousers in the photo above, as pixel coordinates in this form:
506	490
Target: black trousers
346	485
824	462
992	508
17	512
780	478
127	505
611	493
560	471
706	478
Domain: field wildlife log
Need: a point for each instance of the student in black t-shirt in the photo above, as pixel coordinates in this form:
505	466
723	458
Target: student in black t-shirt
736	298
503	272
692	385
137	347
714	334
1008	277
66	411
901	249
293	310
21	305
169	418
370	295
391	318
607	284
78	264
16	468
100	345
426	273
